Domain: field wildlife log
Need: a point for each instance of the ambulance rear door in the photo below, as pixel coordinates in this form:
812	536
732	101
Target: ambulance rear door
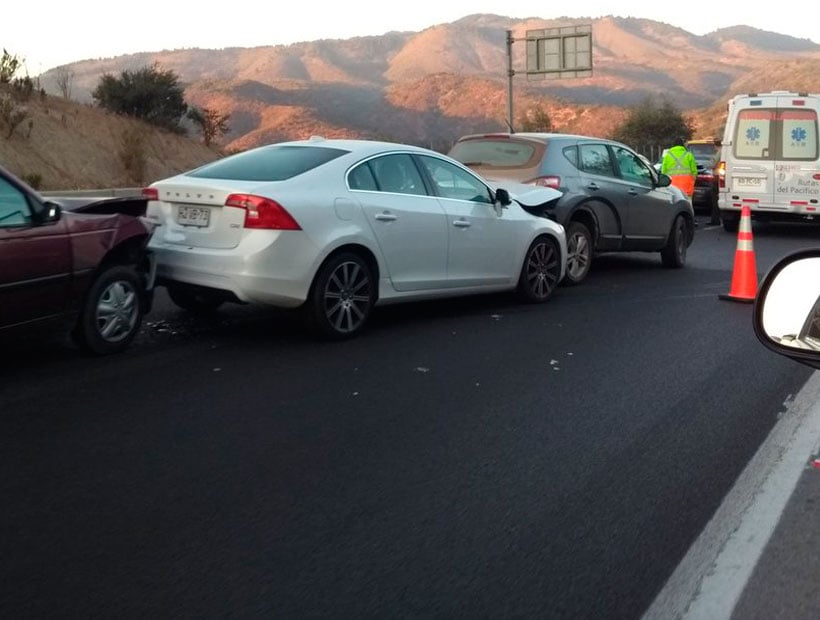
796	173
750	161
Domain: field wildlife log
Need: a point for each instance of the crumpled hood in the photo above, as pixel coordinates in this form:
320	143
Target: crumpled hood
527	195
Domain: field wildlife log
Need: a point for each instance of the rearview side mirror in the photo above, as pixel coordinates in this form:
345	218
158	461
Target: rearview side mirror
53	211
787	308
664	180
46	212
502	196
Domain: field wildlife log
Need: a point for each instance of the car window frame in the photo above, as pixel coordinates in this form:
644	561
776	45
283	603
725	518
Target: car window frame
651	181
463	170
424	186
612	170
28	220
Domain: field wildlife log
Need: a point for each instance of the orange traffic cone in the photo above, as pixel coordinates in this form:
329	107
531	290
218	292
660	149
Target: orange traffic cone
744	276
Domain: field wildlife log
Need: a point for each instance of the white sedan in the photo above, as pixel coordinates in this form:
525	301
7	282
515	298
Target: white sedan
339	226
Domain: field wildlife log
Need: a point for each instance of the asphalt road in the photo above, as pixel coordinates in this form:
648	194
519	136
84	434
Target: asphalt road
474	457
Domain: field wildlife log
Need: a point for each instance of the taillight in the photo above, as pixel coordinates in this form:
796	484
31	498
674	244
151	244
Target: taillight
150	193
553	182
721	172
262	212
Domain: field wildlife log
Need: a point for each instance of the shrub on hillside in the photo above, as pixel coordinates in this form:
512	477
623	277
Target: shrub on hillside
11	115
151	94
34	179
9	65
211	123
132	155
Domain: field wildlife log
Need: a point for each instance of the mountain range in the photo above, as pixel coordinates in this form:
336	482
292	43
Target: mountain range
448	80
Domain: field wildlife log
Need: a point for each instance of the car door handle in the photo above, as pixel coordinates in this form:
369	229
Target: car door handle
593	186
386	217
632	192
462	224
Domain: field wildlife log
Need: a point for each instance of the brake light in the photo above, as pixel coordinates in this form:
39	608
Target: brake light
550	181
262	212
150	193
721	173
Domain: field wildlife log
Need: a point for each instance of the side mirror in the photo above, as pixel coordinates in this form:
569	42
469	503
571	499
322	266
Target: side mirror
787	308
502	196
51	212
664	180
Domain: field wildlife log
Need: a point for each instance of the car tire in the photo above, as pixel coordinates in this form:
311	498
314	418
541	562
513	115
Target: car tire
195	299
579	253
112	311
541	270
714	210
673	255
342	297
730	223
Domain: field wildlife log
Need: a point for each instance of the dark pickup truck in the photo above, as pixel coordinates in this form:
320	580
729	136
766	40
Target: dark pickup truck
78	263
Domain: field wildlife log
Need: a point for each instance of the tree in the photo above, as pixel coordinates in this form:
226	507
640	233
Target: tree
65	79
536	119
151	93
9	64
651	124
11	115
212	123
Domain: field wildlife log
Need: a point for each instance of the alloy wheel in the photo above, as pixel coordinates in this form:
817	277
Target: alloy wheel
578	255
347	297
542	269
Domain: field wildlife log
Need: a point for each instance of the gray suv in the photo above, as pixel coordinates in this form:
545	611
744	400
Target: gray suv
613	201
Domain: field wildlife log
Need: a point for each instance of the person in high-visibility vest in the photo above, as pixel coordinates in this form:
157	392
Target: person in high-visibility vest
680	164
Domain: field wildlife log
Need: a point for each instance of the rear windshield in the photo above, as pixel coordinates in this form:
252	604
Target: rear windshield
500	153
776	134
270	163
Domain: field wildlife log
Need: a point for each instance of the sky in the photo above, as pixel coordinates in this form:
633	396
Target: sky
49	33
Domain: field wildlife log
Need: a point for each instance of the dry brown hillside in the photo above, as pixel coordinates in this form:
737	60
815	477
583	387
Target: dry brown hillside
69	145
426	88
432	86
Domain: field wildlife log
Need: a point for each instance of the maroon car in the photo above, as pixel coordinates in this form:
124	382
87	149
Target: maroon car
82	263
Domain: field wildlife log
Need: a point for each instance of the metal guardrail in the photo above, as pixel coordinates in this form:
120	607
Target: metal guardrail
115	192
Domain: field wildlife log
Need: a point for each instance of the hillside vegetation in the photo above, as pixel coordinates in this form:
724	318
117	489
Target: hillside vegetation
67	145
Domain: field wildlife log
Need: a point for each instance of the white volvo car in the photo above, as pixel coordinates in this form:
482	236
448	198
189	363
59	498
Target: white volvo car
339	226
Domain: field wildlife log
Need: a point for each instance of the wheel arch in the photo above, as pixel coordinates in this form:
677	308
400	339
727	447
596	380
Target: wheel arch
356	248
584	213
129	251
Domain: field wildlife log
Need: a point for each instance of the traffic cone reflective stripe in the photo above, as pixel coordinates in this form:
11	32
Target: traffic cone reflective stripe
744	275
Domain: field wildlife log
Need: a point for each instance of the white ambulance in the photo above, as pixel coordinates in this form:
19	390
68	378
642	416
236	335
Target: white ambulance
769	158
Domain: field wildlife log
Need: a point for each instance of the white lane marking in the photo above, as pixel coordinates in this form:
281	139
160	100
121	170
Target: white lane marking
710	579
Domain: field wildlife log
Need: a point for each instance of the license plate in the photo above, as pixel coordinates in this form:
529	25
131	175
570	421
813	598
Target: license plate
757	184
193	216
